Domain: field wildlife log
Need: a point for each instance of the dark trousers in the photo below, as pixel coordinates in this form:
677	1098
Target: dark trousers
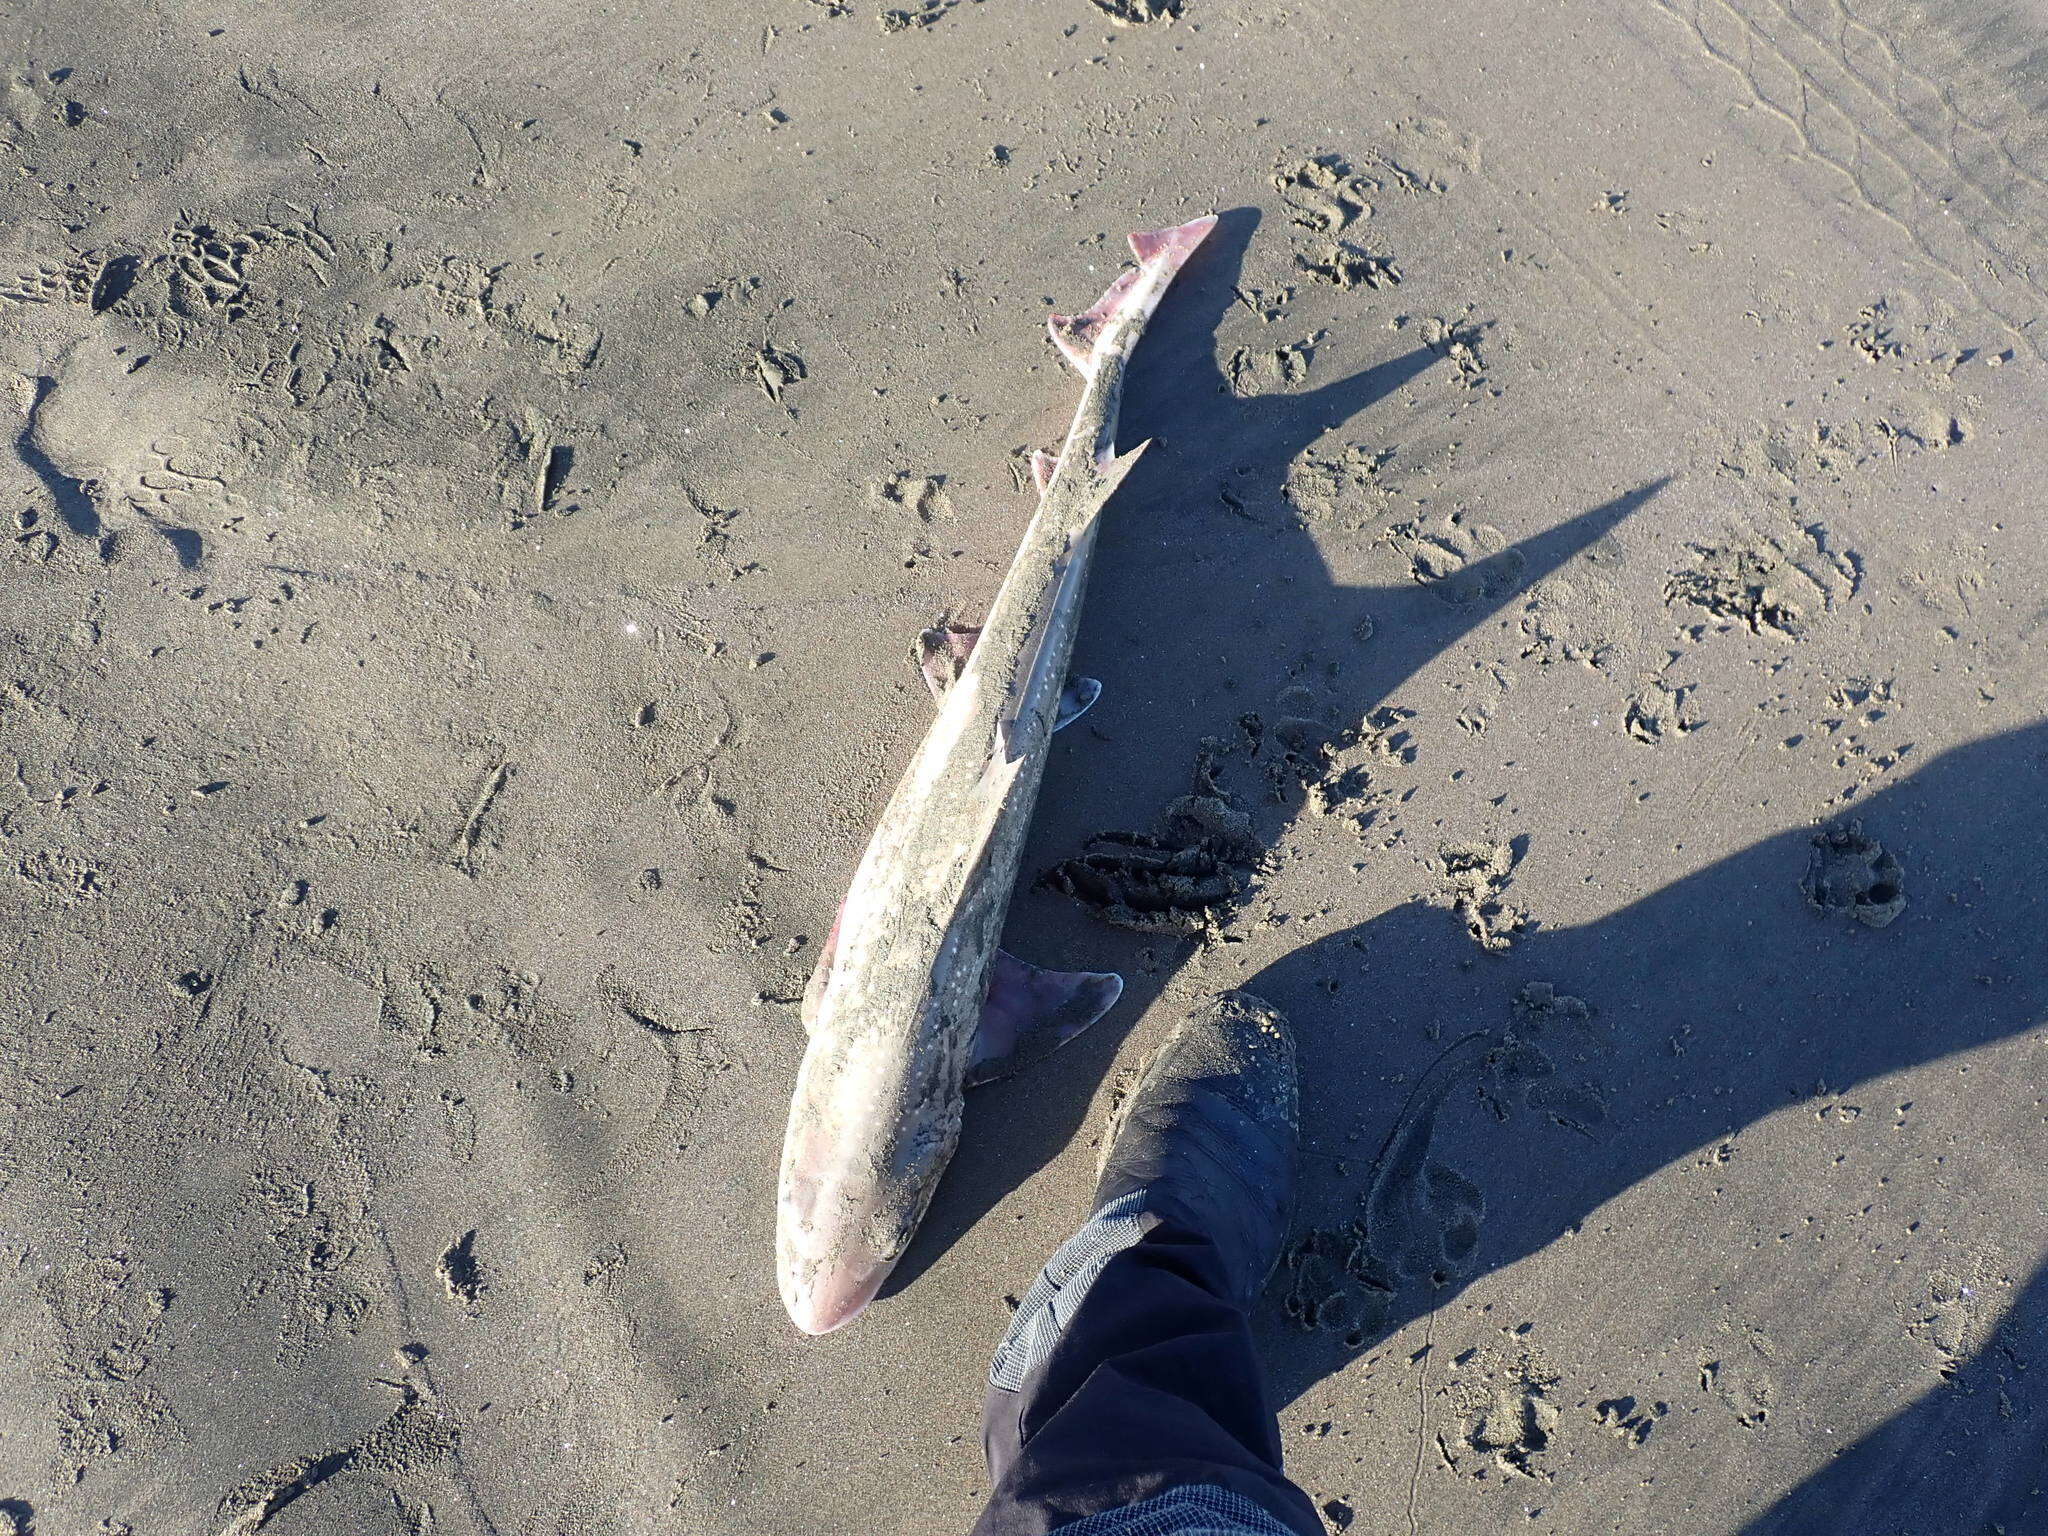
1152	1385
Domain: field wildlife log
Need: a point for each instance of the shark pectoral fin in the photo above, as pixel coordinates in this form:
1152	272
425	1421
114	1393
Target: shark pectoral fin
1030	1013
942	653
814	991
1075	700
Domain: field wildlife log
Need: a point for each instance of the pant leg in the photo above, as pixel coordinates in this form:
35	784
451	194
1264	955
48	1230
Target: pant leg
1127	1374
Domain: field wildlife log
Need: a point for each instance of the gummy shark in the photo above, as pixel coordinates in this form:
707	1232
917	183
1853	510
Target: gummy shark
912	1002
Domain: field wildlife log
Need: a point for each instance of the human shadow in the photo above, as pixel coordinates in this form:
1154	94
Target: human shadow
1459	1122
1186	643
1970	1455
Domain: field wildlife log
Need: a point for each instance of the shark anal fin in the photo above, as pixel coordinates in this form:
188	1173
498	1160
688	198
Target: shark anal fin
1030	1013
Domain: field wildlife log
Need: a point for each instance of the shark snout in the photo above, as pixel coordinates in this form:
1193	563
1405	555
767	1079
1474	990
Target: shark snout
833	1295
825	1267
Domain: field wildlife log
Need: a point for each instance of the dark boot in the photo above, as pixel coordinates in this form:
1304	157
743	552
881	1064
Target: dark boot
1207	1138
1128	1380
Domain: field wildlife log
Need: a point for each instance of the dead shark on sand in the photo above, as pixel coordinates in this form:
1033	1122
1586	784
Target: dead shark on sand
912	1001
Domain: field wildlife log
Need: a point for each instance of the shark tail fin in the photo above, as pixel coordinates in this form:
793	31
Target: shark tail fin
1075	335
1174	245
1160	253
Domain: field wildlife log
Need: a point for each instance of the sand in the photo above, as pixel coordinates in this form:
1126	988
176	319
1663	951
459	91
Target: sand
478	472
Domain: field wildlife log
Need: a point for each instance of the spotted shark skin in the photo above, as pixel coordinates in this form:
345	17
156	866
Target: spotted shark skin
913	1001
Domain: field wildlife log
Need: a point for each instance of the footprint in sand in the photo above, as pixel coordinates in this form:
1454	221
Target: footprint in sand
1324	194
1849	872
1421	1218
1508	1417
1453	557
1270	370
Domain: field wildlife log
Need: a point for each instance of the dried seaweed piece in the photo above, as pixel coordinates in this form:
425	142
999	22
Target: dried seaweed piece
1179	879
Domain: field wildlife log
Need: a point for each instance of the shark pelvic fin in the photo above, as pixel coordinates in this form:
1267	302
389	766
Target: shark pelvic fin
942	653
1076	699
1030	1013
1042	466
